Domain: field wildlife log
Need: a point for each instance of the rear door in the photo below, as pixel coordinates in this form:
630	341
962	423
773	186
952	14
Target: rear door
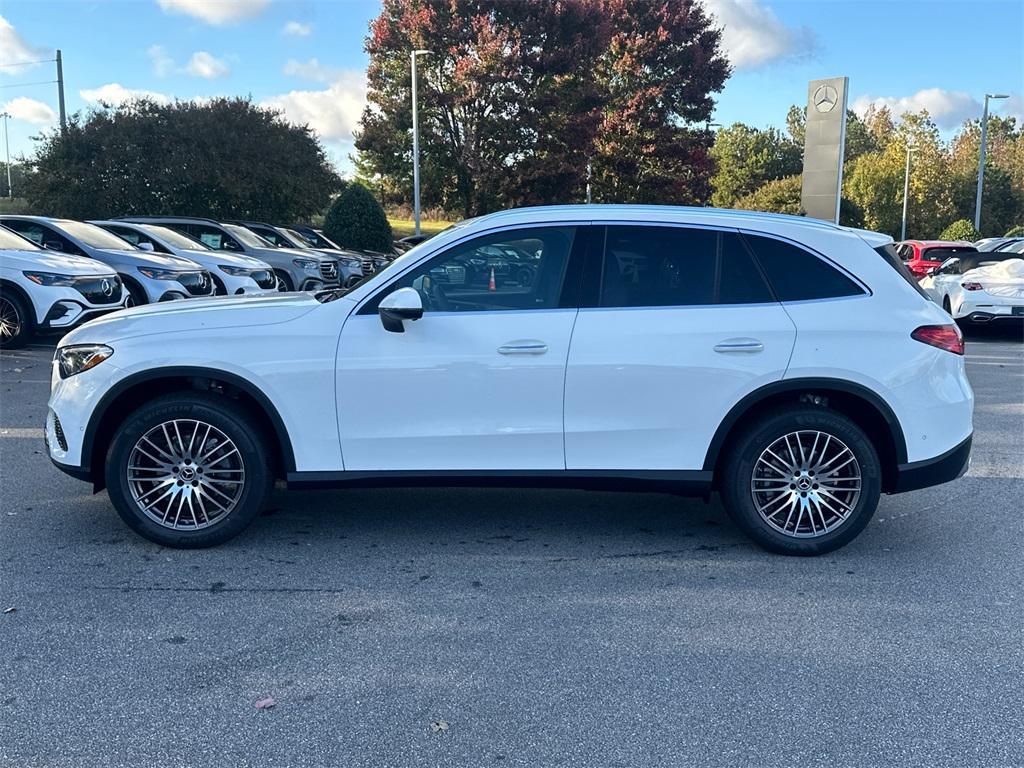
681	325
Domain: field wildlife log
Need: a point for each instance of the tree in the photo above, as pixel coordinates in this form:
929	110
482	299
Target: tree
859	138
777	196
226	158
961	229
747	158
357	221
518	99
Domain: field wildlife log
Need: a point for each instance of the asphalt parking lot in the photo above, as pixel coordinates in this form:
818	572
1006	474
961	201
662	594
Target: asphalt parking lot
513	627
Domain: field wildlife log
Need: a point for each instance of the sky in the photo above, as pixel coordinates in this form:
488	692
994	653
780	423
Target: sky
306	57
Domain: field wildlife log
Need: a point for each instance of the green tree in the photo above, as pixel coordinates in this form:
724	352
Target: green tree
859	138
226	158
747	158
357	221
777	196
961	229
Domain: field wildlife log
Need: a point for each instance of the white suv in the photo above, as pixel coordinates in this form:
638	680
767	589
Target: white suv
790	364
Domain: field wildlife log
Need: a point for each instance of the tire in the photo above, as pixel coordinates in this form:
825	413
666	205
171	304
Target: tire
235	452
136	296
284	282
15	321
840	515
218	287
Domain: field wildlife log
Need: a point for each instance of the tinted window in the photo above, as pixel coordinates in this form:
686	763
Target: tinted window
271	236
43	236
943	253
511	270
651	266
212	237
93	236
13	242
799	275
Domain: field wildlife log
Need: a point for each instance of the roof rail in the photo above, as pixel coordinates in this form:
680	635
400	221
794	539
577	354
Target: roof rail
154	219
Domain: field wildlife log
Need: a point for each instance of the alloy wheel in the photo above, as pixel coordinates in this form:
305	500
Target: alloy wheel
10	320
806	484
185	474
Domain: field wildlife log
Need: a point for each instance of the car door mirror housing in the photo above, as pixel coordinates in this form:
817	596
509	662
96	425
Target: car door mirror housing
143	245
399	306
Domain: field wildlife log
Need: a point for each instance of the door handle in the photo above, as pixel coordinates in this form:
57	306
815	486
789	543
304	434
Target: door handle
739	345
523	348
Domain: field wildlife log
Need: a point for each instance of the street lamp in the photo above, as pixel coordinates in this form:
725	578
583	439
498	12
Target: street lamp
981	156
906	192
7	147
415	144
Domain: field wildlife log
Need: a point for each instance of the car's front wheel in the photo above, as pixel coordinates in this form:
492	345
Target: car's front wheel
802	481
189	470
15	321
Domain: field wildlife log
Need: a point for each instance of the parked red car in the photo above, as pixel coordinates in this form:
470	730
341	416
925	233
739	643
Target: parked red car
923	255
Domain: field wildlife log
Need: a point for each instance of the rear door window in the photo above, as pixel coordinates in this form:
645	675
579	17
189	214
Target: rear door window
796	274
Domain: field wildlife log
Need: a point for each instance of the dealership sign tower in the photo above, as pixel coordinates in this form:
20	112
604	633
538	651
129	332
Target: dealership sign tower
824	139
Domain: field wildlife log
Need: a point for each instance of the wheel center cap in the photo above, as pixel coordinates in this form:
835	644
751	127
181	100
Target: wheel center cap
804	483
187	473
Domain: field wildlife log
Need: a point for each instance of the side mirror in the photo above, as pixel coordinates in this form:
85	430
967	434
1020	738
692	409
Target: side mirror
403	304
145	246
52	245
931	271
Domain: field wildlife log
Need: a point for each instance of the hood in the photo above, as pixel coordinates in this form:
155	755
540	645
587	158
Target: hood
302	253
224	257
142	258
194	314
51	261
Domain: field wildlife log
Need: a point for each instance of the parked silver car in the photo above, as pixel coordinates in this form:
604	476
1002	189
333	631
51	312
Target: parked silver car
149	277
295	269
350	263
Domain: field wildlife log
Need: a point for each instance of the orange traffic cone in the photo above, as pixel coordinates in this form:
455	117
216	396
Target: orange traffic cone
492	286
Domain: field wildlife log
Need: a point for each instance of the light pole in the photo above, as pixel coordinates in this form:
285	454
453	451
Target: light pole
906	192
415	145
981	157
7	148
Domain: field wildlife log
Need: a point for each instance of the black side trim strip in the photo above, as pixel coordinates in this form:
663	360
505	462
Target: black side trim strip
693	482
941	469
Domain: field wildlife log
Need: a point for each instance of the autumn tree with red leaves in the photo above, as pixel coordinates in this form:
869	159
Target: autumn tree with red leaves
519	97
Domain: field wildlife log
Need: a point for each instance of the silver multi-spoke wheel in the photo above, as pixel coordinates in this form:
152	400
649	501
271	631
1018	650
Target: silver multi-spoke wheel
10	320
806	483
185	474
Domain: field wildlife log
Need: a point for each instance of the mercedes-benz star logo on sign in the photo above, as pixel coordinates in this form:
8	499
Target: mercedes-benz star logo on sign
825	98
107	288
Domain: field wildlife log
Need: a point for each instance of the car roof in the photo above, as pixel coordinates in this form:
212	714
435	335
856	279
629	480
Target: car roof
939	243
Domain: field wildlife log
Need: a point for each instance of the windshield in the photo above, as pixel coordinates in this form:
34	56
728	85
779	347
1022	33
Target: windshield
318	240
247	236
300	238
173	238
13	242
93	236
1014	247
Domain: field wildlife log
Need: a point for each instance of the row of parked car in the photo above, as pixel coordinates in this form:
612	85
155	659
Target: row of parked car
976	283
57	273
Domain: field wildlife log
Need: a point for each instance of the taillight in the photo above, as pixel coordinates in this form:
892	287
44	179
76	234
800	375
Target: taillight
972	286
947	337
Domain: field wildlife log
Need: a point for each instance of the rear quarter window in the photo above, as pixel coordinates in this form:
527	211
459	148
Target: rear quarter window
796	274
891	257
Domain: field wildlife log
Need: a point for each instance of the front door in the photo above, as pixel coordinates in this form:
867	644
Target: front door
477	383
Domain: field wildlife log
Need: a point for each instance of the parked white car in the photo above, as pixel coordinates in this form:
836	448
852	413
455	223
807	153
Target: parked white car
44	291
979	287
232	273
788	363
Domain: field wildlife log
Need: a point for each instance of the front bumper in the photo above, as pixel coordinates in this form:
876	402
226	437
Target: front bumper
935	471
65	314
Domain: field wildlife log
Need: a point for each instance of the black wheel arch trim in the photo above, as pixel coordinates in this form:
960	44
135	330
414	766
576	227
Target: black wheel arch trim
186	371
801	385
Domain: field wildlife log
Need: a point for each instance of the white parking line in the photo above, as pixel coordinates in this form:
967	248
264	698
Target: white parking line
32	432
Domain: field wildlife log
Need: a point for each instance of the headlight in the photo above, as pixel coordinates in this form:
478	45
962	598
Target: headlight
307	264
235	271
81	357
350	262
49	278
159	274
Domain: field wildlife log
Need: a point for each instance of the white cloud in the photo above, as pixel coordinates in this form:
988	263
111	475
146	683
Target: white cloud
297	29
163	64
205	65
333	112
216	12
15	53
29	110
947	108
312	70
115	93
753	35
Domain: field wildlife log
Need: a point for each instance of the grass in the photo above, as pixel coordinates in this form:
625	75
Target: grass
405	227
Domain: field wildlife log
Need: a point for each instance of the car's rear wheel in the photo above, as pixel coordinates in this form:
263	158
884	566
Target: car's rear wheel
189	470
15	321
802	481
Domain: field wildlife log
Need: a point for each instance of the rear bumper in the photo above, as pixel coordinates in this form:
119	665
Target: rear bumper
935	471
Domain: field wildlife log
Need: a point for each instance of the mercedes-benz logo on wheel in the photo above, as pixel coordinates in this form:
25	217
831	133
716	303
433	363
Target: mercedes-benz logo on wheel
107	287
825	98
